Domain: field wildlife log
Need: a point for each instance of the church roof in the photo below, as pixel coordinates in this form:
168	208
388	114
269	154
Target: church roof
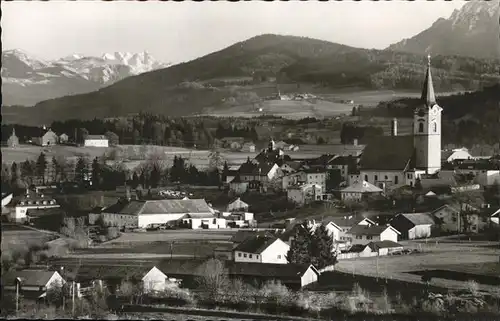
388	153
428	96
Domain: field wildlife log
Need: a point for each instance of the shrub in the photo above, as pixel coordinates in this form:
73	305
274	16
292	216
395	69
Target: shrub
473	287
275	292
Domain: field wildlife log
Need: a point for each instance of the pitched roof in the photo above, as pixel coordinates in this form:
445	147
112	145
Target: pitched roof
345	221
164	206
39	212
428	96
96	137
375	246
373	230
256	244
242	235
388	153
361	187
28	277
200	215
418	218
267	270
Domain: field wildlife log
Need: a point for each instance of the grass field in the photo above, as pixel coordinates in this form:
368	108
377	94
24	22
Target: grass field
18	237
435	256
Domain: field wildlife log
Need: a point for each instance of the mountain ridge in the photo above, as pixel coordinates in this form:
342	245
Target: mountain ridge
467	32
27	80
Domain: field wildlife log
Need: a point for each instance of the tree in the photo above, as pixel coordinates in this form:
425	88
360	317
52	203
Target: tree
6	176
56	169
215	160
225	172
322	246
300	249
41	167
16	181
213	278
333	179
82	134
320	141
96	173
113	138
27	172
81	170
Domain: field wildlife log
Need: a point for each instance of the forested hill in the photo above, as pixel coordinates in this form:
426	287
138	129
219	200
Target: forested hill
468	118
239	70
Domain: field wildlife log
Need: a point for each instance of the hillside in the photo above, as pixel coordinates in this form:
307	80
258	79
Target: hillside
239	72
471	31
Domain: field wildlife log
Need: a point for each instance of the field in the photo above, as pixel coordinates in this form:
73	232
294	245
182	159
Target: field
435	256
19	237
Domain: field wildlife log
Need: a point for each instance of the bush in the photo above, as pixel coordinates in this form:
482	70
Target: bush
275	292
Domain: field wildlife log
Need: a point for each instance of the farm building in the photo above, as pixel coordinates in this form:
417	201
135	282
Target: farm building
291	275
203	220
156	281
359	189
361	234
29	201
413	225
237	205
31	283
13	140
48	138
96	141
261	249
455	154
345	223
63	138
142	214
384	247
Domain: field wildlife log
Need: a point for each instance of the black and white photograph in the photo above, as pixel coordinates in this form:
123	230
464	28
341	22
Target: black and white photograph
250	160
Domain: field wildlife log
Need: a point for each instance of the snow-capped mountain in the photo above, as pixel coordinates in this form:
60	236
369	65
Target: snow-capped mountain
27	80
474	31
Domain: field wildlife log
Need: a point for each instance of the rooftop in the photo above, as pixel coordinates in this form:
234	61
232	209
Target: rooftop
28	277
361	187
256	244
373	230
388	153
419	218
164	206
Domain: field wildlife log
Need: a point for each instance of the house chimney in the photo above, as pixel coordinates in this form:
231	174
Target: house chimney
394	127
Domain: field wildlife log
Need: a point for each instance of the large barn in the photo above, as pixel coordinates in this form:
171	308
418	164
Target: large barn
144	213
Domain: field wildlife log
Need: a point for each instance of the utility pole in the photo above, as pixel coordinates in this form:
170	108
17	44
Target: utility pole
73	299
17	295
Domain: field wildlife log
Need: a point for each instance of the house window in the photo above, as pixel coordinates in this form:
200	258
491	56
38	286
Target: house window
369	237
366	178
421	127
245	255
358	237
279	256
250	256
239	254
396	179
376	177
257	256
386	178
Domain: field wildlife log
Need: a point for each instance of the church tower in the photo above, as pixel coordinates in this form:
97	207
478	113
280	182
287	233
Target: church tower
427	128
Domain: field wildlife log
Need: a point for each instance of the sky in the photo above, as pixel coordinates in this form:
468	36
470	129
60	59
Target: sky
181	31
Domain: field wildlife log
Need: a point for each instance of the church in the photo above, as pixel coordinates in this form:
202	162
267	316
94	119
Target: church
394	161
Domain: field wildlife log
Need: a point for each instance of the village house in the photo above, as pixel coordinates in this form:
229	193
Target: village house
19	205
248	147
231	173
13	140
96	141
141	214
261	249
311	176
358	190
345	223
48	138
383	247
237	186
156	281
63	138
262	172
394	161
413	225
363	234
305	193
447	219
237	205
32	284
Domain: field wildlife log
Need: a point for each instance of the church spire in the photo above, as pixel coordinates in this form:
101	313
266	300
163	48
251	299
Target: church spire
428	96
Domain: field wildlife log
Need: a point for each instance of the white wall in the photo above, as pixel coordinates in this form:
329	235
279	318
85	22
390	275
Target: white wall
419	232
96	142
239	188
351	196
55	280
333	231
317	179
451	220
488	178
20	213
389	235
145	219
388	178
247	257
309	277
154	280
459	154
276	253
236	205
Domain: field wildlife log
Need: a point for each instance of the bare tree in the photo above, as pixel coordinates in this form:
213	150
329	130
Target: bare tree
212	278
215	160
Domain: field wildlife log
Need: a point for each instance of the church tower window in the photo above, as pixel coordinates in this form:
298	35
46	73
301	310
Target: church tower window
420	127
434	127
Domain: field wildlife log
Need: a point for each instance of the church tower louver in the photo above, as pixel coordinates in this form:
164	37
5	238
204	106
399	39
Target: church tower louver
427	128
